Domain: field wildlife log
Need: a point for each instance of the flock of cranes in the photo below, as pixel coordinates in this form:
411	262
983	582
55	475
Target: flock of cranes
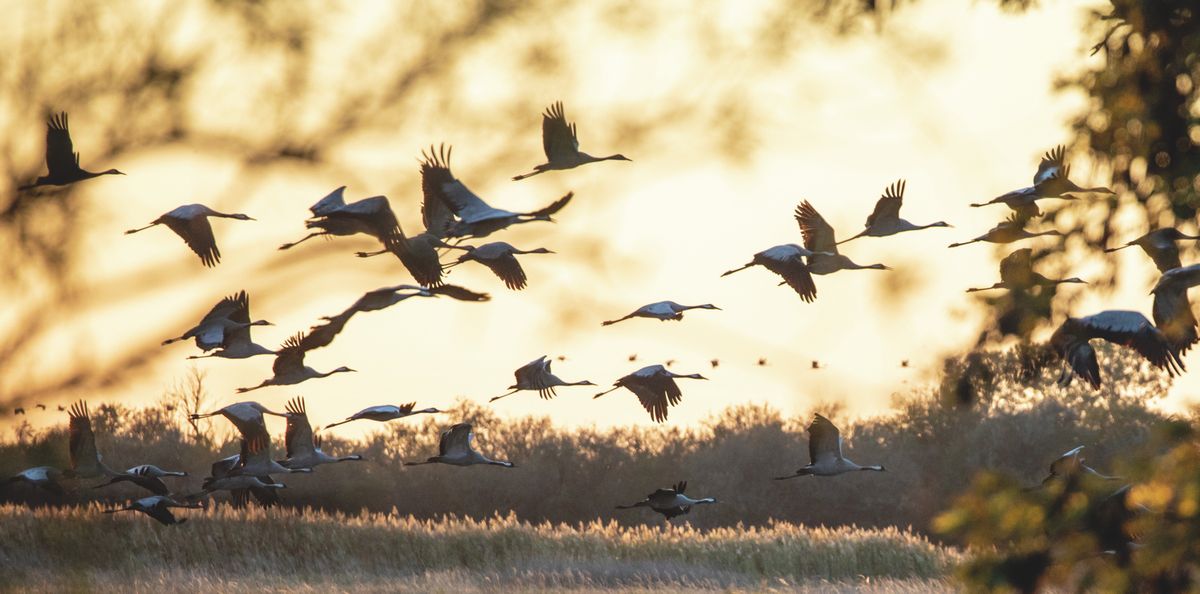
452	214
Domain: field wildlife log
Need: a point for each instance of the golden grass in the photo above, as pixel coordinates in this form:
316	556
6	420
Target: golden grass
79	548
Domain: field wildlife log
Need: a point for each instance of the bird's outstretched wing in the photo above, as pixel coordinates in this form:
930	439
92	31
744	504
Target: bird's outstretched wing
459	293
888	206
331	202
290	356
559	138
1016	267
1132	329
61	158
1172	313
824	440
435	170
438	182
81	440
298	437
322	335
197	233
1051	166
818	234
553	208
508	268
456	440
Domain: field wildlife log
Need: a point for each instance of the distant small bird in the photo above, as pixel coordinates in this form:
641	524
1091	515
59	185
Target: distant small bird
715	363
384	412
476	217
662	311
1159	245
670	502
1071	464
190	222
501	259
41	477
762	361
61	408
157	507
303	449
885	220
1016	274
536	376
1008	231
146	476
816	364
787	261
904	363
41	406
62	162
1172	310
454	448
18	411
1126	328
561	145
289	368
655	388
825	452
632	358
1050	181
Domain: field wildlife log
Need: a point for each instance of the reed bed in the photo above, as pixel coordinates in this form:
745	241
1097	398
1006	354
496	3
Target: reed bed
81	548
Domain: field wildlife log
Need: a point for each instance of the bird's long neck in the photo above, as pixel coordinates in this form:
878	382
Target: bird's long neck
351	458
578	383
329	373
874	467
854	266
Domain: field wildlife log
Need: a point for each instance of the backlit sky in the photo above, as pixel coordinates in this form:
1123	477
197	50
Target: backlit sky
956	97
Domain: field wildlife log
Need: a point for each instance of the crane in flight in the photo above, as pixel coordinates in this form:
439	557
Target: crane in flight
560	142
62	162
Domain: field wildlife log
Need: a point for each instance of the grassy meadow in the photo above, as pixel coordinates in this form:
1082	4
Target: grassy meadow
76	548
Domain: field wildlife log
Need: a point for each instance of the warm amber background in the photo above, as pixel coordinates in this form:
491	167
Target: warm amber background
732	113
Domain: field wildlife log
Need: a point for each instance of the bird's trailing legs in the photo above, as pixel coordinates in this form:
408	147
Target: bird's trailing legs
300	241
509	393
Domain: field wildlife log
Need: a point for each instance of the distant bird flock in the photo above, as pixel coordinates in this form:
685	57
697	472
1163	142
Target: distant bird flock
452	215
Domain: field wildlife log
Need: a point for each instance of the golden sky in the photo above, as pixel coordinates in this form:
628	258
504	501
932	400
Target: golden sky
955	97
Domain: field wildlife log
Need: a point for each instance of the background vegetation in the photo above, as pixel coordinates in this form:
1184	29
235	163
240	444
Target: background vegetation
931	447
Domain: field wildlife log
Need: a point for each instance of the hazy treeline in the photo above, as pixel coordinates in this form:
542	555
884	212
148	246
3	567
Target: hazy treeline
931	446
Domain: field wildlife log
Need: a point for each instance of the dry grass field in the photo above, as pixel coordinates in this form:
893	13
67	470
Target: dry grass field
82	549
